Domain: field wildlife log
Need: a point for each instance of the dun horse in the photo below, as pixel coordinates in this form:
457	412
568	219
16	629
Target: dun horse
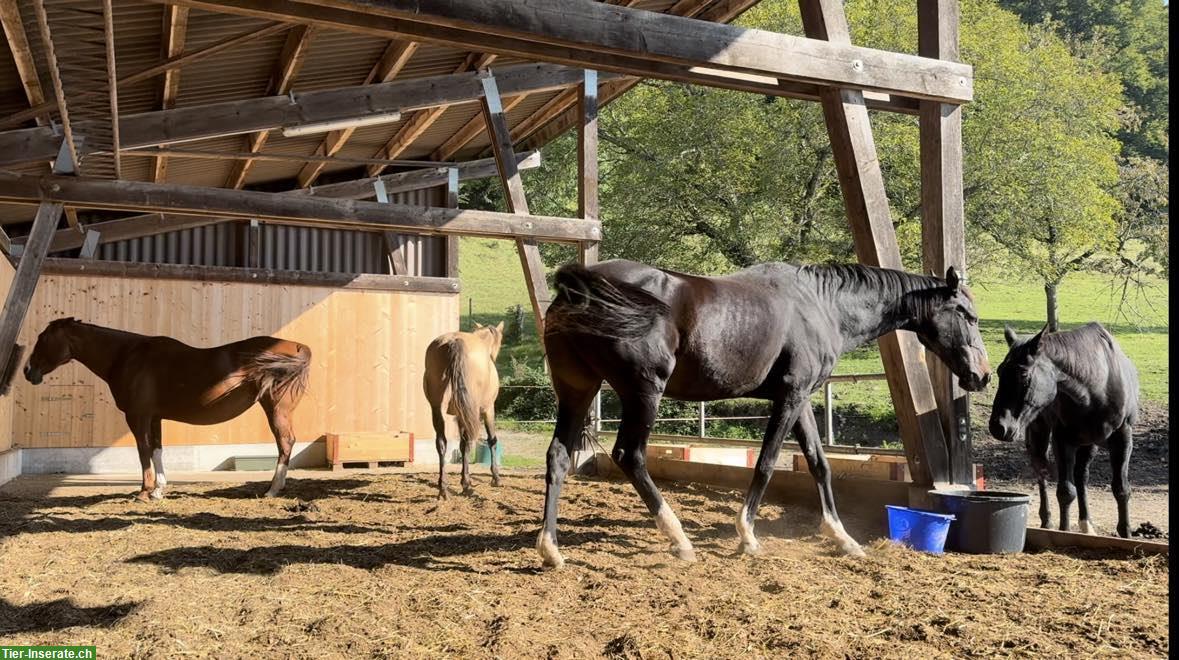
460	375
157	378
1079	391
773	331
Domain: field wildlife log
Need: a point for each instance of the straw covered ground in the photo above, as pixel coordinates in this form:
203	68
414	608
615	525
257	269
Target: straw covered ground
369	566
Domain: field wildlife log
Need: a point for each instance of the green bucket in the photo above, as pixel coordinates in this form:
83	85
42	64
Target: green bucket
483	454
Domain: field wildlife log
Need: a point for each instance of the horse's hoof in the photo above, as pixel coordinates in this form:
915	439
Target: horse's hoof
751	548
686	553
142	496
468	491
853	550
157	494
272	493
1087	527
550	557
495	481
443	496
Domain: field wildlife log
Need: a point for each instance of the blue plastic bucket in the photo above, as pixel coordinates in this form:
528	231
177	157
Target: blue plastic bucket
920	530
483	454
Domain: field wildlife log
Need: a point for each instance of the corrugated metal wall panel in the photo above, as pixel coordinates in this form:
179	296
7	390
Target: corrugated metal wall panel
284	247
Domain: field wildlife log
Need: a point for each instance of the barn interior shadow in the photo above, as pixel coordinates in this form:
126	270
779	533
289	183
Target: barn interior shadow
59	614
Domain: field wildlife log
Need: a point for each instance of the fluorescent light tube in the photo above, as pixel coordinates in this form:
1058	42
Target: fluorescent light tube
325	126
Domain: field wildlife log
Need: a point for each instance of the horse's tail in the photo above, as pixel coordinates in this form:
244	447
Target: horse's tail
589	303
466	411
280	374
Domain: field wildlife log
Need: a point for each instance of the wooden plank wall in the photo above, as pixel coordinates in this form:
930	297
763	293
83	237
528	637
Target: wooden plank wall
367	355
7	272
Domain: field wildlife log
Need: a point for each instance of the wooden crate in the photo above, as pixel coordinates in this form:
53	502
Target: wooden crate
669	452
370	448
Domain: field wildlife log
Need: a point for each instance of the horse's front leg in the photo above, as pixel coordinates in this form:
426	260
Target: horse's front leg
1037	448
1066	492
782	417
1121	443
806	431
157	458
140	426
1081	479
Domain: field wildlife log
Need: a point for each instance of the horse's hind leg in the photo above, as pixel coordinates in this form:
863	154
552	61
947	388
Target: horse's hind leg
492	441
278	413
806	431
1066	492
639	411
572	405
1081	479
157	458
440	445
465	444
1121	443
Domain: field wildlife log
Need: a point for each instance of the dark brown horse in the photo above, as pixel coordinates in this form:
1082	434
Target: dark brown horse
772	332
157	378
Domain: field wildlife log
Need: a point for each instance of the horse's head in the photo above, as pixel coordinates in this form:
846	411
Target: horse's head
948	327
1027	384
52	350
493	336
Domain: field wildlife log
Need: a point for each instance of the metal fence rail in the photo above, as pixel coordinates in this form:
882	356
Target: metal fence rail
702	418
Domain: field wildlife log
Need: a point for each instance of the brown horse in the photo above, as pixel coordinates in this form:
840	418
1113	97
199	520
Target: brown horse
460	372
157	378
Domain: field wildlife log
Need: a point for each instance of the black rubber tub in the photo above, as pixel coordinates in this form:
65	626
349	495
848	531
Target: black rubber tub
985	521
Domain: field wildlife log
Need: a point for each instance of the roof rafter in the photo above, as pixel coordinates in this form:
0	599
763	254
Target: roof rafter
397	54
22	55
175	30
290	61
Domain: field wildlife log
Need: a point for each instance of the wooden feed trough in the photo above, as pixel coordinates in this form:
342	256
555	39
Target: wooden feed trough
369	450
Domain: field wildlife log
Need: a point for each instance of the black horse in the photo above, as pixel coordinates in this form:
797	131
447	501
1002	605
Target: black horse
1078	390
774	331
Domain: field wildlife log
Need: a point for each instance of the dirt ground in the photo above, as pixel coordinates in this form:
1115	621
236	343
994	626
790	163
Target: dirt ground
375	568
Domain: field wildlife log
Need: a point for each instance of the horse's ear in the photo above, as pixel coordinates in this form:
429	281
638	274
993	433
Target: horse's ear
1009	335
478	325
1034	342
499	327
952	279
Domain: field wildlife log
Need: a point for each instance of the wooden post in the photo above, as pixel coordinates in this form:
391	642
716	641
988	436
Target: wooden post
943	233
529	249
394	244
876	245
587	160
254	245
452	242
28	271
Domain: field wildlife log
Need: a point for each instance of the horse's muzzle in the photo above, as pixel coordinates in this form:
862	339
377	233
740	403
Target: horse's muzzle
1002	431
975	382
32	375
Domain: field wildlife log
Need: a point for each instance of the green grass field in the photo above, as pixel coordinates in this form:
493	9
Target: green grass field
492	282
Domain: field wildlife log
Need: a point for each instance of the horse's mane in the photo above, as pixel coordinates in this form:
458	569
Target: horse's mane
1078	352
882	282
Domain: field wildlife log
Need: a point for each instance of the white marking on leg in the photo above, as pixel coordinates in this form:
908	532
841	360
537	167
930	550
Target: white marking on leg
1087	527
833	529
157	459
749	544
669	524
546	545
280	480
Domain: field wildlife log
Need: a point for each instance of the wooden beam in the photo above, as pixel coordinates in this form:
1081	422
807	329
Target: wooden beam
422	120
397	54
55	73
175	30
200	154
529	250
236	117
394	244
151	224
301	210
453	176
418	179
943	230
112	84
132	270
28	271
587	161
471	130
875	241
290	61
22	56
156	70
630	41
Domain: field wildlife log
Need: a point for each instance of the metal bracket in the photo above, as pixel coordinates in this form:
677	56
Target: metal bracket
89	244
